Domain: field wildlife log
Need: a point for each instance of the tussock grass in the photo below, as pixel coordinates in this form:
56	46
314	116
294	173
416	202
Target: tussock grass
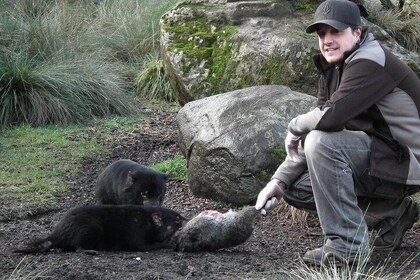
403	25
129	29
59	93
67	61
151	82
361	270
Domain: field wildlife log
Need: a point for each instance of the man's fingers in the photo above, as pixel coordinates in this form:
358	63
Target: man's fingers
271	204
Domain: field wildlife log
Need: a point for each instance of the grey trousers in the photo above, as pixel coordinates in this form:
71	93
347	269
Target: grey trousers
337	186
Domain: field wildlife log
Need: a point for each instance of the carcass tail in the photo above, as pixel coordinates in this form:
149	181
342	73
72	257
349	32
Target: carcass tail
37	246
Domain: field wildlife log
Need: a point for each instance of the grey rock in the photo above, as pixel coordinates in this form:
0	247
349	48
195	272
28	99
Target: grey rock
234	141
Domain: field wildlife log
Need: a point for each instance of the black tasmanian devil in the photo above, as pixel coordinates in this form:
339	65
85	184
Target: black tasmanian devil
111	228
128	182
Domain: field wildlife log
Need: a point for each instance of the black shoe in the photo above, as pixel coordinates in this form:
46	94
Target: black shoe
327	256
392	239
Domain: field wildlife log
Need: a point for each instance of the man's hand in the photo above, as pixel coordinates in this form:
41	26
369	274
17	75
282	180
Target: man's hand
269	197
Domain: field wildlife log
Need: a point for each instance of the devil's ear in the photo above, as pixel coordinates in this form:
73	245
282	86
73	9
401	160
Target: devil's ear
157	218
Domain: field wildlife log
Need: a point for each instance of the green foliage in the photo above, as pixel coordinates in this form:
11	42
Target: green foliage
206	44
176	167
128	29
65	62
263	175
279	152
305	6
152	82
61	92
402	24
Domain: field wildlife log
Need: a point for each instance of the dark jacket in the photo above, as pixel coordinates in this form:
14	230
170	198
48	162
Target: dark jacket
375	92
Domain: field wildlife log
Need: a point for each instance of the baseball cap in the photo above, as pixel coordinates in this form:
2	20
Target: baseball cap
339	14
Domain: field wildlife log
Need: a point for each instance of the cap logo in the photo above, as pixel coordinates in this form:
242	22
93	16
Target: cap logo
326	9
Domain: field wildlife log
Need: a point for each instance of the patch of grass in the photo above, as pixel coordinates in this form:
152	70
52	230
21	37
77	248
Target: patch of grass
128	124
128	29
361	270
63	92
36	161
152	82
176	167
65	62
24	271
403	25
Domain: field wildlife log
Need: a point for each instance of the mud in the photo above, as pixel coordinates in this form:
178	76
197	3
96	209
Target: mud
273	250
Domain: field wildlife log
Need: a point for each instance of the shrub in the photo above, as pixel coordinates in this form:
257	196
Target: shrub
402	24
152	82
67	61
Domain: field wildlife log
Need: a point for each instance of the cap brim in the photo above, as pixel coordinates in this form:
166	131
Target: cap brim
333	23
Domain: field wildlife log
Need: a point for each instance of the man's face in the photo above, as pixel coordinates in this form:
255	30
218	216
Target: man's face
333	43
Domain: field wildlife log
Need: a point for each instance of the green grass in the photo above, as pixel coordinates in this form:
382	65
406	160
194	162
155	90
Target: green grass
152	82
176	167
36	161
403	25
64	62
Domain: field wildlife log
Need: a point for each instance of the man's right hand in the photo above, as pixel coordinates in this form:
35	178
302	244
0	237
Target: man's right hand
269	197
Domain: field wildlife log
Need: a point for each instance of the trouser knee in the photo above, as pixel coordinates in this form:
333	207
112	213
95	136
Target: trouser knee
318	143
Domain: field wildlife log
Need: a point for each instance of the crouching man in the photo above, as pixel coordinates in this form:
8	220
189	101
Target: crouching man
355	158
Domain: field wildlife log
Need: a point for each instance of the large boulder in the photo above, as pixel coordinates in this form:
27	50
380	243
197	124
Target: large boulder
214	46
233	142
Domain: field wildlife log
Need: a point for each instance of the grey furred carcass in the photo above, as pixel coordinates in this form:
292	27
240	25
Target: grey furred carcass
211	230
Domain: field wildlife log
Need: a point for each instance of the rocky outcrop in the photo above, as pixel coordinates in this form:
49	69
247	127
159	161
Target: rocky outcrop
233	142
211	47
214	46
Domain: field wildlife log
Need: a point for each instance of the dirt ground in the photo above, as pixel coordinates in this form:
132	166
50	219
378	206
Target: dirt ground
274	248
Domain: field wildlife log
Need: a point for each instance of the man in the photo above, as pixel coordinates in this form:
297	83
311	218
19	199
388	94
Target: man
355	158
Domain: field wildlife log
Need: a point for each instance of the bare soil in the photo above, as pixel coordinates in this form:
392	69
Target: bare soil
275	247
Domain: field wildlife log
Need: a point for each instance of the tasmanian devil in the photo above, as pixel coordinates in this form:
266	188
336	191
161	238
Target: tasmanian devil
111	228
211	230
127	182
